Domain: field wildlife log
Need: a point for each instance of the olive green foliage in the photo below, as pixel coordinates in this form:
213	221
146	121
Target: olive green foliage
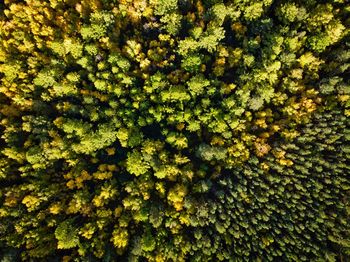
174	130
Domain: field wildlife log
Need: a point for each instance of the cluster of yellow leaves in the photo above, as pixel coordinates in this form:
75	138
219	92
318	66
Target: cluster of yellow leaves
78	205
176	196
107	192
300	109
120	237
31	202
281	158
55	208
104	171
87	230
77	182
238	152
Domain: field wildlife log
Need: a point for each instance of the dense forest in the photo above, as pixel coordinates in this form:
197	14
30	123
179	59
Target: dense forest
174	130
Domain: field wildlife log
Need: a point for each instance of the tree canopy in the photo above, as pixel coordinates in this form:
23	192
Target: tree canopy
174	130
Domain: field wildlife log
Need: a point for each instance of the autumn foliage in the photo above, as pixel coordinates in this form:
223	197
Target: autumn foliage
174	130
